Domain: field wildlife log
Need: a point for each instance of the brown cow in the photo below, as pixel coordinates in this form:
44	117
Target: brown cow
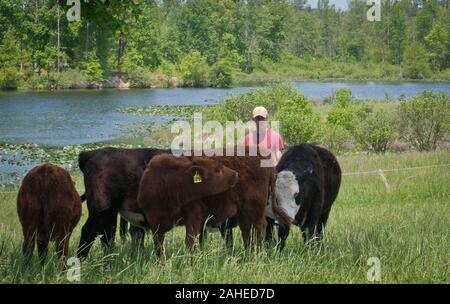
247	200
170	189
49	208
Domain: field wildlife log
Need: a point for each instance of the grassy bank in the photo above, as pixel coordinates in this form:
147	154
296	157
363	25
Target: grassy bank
405	227
289	69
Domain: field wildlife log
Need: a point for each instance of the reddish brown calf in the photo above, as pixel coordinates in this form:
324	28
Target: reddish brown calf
170	188
49	208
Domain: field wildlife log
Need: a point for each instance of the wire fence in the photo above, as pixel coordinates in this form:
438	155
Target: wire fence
379	171
393	170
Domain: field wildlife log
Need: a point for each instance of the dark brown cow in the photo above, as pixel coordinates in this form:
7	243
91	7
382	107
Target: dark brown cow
309	177
247	200
49	208
308	182
111	178
171	188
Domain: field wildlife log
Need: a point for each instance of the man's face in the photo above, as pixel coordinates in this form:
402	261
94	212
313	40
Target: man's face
261	123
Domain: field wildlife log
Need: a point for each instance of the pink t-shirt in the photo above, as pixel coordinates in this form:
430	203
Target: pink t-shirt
272	141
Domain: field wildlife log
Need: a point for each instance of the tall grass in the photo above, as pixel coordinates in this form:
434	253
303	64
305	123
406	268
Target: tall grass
406	228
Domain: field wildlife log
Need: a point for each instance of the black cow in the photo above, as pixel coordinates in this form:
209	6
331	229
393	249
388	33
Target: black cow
308	181
111	179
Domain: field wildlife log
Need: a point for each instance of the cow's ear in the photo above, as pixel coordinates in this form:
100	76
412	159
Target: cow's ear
198	174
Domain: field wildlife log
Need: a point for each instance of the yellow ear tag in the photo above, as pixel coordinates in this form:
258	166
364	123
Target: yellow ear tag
197	177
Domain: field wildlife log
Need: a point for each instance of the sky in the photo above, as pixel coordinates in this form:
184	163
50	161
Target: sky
342	4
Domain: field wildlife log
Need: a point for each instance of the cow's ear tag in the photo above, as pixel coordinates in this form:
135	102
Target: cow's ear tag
197	177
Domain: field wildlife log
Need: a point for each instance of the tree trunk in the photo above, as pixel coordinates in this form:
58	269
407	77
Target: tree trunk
58	42
86	47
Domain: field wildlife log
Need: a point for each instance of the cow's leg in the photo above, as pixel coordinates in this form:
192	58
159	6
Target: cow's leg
229	236
62	246
309	228
88	234
123	228
42	244
29	240
108	229
137	237
245	230
158	240
193	228
204	235
283	233
322	223
226	231
269	231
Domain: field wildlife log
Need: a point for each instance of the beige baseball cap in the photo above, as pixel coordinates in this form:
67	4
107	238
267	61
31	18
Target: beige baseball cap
260	111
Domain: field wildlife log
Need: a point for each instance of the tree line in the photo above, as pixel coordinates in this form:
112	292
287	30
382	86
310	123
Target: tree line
214	42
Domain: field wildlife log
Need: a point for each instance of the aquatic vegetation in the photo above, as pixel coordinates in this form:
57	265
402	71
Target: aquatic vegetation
175	111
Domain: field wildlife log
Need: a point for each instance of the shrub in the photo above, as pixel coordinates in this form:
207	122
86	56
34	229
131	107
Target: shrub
38	82
375	132
222	74
416	65
424	119
140	78
71	79
93	70
346	110
194	70
336	138
298	123
9	78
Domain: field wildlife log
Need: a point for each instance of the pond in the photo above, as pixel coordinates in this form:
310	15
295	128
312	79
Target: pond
74	117
88	116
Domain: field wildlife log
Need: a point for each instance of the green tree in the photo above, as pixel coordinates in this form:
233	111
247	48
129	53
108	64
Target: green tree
194	70
438	41
416	64
424	120
375	132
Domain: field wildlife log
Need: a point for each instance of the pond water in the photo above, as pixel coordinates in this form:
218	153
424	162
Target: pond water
88	116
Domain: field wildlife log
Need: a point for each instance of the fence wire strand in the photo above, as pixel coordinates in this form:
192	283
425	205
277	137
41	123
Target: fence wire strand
355	173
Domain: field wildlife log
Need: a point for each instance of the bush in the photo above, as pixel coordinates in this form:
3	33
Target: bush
194	70
93	70
9	78
140	78
424	119
336	138
222	74
416	65
375	132
346	111
71	79
38	82
298	123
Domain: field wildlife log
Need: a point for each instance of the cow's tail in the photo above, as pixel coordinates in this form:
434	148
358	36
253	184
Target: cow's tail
281	215
83	157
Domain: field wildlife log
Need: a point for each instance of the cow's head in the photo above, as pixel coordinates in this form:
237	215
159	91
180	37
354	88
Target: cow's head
288	190
170	182
209	177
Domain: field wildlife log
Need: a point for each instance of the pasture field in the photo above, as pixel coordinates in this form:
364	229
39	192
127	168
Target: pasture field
404	224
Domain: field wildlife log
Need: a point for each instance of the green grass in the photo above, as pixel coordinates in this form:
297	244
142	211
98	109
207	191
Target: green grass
406	228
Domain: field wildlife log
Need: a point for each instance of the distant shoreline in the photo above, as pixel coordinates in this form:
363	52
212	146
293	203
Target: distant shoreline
243	82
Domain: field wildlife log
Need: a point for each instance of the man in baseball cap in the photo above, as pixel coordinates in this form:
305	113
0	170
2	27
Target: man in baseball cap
265	136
